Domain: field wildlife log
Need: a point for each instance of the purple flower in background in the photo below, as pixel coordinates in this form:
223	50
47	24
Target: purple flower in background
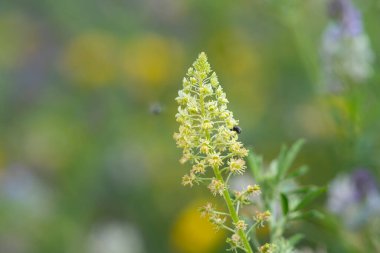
364	184
354	197
349	18
347	56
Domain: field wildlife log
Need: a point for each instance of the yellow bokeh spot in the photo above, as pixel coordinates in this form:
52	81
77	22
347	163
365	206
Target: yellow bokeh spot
346	113
236	54
193	234
339	104
238	61
91	59
152	60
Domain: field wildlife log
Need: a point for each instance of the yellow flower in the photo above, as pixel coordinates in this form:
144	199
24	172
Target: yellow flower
199	168
238	57
215	159
237	166
216	187
188	179
253	189
238	149
193	234
262	217
203	108
208	209
241	225
205	146
217	220
152	60
266	248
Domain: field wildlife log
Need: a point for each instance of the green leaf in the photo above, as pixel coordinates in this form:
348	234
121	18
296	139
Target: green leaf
295	239
280	162
288	158
284	204
299	172
255	165
309	197
314	214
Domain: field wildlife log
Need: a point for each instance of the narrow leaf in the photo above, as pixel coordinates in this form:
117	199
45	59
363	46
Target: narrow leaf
298	172
289	158
280	162
295	239
284	204
309	197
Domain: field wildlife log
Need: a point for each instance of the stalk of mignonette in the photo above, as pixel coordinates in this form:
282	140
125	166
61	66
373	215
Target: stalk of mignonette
209	143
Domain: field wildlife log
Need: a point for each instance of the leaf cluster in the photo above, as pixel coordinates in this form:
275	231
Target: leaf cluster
282	195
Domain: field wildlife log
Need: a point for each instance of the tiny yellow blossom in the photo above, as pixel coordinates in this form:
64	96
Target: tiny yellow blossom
208	209
199	168
262	217
215	159
237	166
216	187
238	149
241	225
205	146
253	189
206	124
234	241
188	179
266	248
235	238
217	220
185	157
182	98
241	196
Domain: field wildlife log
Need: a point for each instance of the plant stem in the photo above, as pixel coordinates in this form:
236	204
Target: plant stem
232	211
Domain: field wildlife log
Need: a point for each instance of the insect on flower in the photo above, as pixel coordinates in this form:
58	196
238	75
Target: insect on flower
208	143
236	129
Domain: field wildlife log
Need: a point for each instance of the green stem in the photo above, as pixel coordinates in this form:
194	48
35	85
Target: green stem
222	213
232	211
226	194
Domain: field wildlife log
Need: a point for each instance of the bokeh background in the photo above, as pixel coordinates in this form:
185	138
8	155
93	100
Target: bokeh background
87	88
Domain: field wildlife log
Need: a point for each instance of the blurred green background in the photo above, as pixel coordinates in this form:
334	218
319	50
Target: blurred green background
87	88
